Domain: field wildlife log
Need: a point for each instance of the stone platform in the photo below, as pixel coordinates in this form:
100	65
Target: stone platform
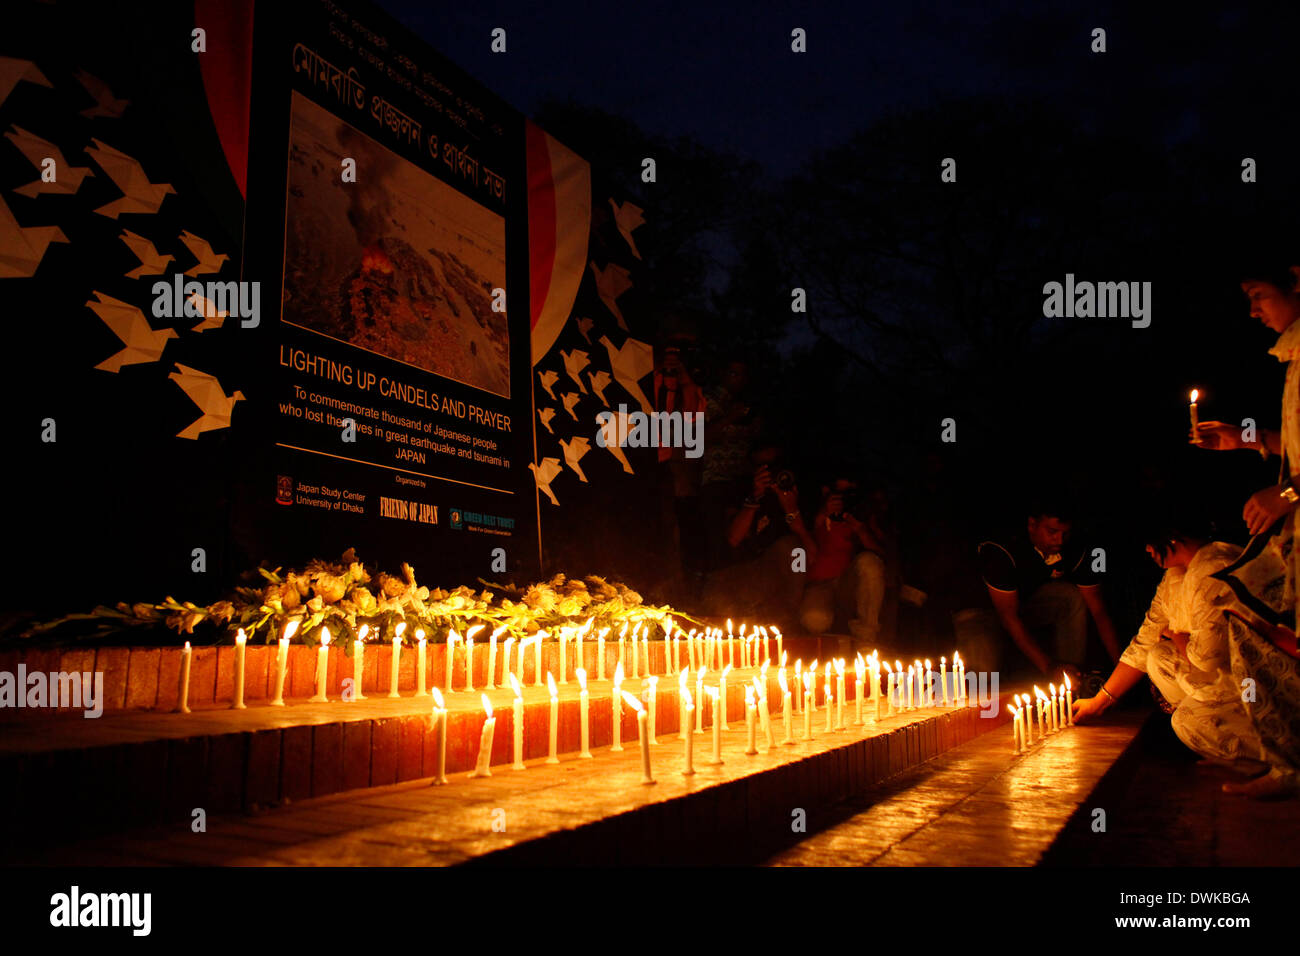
580	811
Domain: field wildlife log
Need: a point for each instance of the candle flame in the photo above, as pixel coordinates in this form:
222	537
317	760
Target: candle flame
550	683
927	664
623	633
487	706
1039	694
582	679
499	631
469	635
668	627
399	630
632	701
813	668
324	637
785	655
514	685
240	638
888	669
725	671
780	679
1195	395
758	689
728	625
187	645
290	630
1052	688
1066	678
361	634
437	699
686	699
742	629
681	679
618	676
749	696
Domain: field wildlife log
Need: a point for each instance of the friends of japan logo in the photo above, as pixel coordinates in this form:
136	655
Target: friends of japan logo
283	490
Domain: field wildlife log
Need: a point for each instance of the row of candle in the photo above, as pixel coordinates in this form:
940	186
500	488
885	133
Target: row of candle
1054	712
757	713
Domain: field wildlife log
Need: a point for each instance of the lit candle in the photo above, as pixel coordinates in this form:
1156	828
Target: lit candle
183	684
683	721
751	722
722	692
807	711
688	710
943	681
811	674
889	692
929	684
322	665
563	636
537	657
359	662
469	656
505	664
645	741
645	645
420	689
717	725
919	676
1016	732
483	769
440	728
518	722
616	702
731	644
960	665
555	720
452	638
1039	699
668	636
282	662
1069	702
578	659
397	660
636	662
785	707
839	693
677	651
651	684
240	641
800	685
1051	714
699	695
859	668
829	693
898	684
581	674
1195	419
780	649
744	647
764	712
621	635
690	647
600	653
492	657
911	675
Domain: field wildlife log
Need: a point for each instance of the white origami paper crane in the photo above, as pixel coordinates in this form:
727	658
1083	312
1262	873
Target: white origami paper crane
106	104
208	262
574	363
143	344
628	218
612	428
212	319
546	414
138	194
544	474
548	379
598	382
67	178
610	284
151	264
570	400
23	248
573	452
13	71
631	363
206	392
585	326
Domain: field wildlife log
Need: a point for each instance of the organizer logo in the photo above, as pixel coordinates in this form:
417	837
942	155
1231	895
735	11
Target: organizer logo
456	521
283	490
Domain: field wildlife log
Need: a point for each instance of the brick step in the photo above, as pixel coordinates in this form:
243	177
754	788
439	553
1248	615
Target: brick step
144	767
578	811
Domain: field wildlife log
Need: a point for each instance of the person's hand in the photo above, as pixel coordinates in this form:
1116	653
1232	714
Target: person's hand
1218	436
1264	508
1090	707
762	480
789	498
832	505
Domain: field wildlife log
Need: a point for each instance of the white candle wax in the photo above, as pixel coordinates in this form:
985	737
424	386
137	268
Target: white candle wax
492	658
183	682
699	695
322	665
717	725
395	670
518	763
582	707
452	638
469	656
616	705
282	662
563	636
652	684
722	692
483	767
645	746
440	733
358	663
1069	703
839	696
240	641
537	657
688	710
829	693
785	717
600	655
551	756
807	713
683	724
421	690
751	723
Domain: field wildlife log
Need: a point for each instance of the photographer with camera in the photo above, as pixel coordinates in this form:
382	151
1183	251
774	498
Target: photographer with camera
853	562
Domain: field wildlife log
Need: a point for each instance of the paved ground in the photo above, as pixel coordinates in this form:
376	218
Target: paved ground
978	804
1164	808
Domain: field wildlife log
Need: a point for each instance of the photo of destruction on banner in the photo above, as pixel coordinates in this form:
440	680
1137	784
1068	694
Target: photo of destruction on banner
397	263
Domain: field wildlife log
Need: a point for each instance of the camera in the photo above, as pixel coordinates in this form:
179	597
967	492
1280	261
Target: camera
784	479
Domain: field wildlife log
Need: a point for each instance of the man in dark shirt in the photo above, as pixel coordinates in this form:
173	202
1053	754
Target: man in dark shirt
1043	586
